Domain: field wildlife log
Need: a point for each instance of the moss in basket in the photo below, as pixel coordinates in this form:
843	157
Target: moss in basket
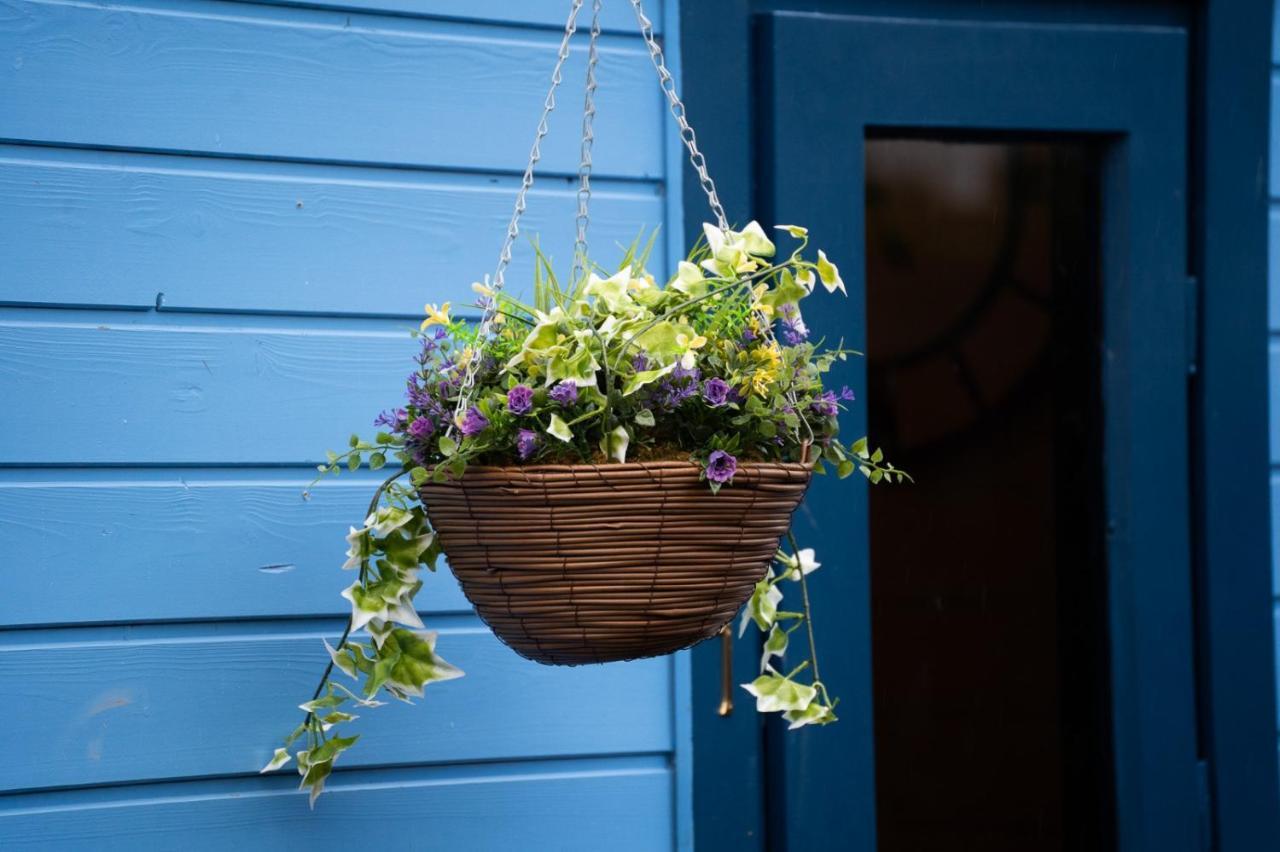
716	367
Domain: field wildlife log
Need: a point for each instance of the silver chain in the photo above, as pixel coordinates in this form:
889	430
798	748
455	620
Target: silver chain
588	139
687	135
472	367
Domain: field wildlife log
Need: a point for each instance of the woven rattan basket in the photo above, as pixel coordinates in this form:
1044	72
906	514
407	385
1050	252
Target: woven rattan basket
573	564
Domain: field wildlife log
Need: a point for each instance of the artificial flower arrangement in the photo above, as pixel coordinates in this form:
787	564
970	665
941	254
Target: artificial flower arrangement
601	369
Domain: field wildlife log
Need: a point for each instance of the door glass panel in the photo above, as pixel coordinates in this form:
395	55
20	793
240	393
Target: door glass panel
988	575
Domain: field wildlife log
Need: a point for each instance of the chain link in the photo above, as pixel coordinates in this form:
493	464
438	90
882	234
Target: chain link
472	367
687	135
588	139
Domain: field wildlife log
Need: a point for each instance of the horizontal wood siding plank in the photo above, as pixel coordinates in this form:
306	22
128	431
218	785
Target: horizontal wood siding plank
114	711
1273	390
165	549
283	237
570	806
191	394
262	81
614	16
1275	538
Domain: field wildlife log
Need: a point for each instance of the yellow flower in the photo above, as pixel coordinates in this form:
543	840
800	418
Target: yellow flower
436	316
760	381
695	342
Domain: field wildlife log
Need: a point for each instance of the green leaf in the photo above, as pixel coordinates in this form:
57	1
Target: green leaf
774	692
354	441
829	274
280	758
814	714
762	607
559	429
775	645
614	444
324	703
644	417
377	461
448	446
416	663
845	468
419	475
859	448
353	461
644	377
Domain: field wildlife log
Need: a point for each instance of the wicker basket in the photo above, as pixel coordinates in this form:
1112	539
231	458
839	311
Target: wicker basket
572	564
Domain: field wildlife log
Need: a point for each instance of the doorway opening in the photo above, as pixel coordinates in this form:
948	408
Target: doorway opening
988	575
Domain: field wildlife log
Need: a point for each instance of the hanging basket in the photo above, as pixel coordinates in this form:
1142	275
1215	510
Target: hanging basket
573	564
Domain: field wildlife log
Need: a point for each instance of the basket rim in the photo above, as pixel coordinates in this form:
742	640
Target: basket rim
522	469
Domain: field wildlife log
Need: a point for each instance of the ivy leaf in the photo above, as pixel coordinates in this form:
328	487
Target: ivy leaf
829	275
644	417
342	660
417	664
644	377
280	758
447	445
365	605
774	692
814	714
559	429
614	444
774	646
377	461
762	607
328	701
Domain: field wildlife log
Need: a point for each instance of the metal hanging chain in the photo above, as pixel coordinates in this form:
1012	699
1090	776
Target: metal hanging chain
588	139
699	162
687	135
472	366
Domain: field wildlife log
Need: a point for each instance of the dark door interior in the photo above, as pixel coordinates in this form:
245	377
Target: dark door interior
988	578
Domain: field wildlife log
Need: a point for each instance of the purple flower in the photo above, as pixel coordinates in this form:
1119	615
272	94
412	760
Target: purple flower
474	423
846	394
639	362
715	391
392	419
795	332
421	427
825	404
565	393
526	443
748	335
520	399
681	373
721	467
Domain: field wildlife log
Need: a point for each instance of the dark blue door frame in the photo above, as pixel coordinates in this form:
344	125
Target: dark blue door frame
825	795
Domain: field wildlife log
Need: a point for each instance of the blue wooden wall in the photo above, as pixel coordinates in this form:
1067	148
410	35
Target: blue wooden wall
219	220
1273	321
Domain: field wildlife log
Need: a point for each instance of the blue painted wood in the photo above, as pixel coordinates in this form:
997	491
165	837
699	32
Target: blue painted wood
289	161
1018	78
221	543
193	394
614	17
1237	655
1273	262
219	234
569	806
187	76
170	703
